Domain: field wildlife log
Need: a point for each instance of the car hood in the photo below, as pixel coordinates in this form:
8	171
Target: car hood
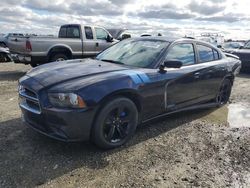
59	72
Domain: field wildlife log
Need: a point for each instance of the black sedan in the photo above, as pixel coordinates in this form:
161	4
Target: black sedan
132	82
244	54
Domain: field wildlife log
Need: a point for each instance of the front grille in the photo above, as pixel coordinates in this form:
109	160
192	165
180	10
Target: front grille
28	100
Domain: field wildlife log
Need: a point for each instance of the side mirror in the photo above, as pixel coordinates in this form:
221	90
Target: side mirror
219	46
109	38
172	64
241	47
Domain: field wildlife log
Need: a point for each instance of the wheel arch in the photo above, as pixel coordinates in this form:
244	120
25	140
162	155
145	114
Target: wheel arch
131	94
230	77
59	49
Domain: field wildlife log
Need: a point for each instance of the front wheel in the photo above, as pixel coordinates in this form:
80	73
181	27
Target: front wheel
115	123
224	92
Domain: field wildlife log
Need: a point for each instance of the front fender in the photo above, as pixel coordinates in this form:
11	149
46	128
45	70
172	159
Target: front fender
96	93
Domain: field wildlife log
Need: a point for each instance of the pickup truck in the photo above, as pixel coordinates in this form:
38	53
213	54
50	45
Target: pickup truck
73	41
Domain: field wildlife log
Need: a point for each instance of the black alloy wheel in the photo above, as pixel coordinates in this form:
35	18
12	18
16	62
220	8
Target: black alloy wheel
116	123
225	92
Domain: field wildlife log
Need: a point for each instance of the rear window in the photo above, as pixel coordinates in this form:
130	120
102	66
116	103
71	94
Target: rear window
69	32
63	32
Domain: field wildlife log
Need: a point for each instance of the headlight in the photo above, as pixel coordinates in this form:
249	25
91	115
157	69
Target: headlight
21	89
66	100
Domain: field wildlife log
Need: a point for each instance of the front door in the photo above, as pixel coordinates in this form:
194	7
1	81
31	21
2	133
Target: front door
101	39
184	90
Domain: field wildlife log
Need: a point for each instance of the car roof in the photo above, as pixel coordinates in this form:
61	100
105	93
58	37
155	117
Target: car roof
172	39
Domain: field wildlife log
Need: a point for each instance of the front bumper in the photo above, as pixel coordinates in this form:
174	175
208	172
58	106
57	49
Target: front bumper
63	125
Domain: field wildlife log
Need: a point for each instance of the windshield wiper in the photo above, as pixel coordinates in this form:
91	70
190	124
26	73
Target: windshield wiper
112	61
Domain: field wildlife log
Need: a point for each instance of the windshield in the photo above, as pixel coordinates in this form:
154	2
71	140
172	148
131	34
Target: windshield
137	53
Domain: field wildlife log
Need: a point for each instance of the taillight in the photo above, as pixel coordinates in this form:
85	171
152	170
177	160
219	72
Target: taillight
28	46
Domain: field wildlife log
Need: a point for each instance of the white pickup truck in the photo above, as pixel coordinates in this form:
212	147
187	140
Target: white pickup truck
73	41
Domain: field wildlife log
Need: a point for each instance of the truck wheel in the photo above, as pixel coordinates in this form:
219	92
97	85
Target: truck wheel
115	123
58	57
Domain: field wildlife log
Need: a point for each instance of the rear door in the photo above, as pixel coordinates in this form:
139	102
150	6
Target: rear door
89	42
212	71
101	38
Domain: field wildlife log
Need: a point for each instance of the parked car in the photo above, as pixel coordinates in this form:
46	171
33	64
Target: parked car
244	54
4	38
132	82
74	41
229	46
5	55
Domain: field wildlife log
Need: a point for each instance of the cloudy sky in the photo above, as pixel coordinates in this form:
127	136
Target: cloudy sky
178	17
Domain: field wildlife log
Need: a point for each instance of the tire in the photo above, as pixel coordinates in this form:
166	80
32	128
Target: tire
58	57
224	92
115	124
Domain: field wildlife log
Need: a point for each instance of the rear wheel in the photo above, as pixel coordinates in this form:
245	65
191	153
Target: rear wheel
59	57
115	123
224	92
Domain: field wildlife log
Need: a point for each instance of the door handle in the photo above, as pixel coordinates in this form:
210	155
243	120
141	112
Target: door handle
197	75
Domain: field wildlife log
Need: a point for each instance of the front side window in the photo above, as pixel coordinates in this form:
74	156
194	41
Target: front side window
101	34
183	53
206	54
88	32
136	53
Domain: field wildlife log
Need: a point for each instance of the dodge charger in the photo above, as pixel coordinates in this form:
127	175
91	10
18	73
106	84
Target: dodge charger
104	99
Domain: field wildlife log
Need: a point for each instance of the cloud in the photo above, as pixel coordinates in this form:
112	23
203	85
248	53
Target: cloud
140	16
206	8
230	18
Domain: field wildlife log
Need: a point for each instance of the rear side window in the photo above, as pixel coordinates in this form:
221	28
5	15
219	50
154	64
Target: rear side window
69	32
183	53
216	55
206	54
88	32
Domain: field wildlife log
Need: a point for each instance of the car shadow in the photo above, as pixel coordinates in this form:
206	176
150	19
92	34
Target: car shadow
28	159
11	75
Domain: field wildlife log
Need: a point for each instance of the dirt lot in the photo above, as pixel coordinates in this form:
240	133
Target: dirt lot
205	148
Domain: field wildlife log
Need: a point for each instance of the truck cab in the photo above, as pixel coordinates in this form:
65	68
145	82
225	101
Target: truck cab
94	38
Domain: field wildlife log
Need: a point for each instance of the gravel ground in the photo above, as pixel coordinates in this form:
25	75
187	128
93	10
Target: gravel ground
200	148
